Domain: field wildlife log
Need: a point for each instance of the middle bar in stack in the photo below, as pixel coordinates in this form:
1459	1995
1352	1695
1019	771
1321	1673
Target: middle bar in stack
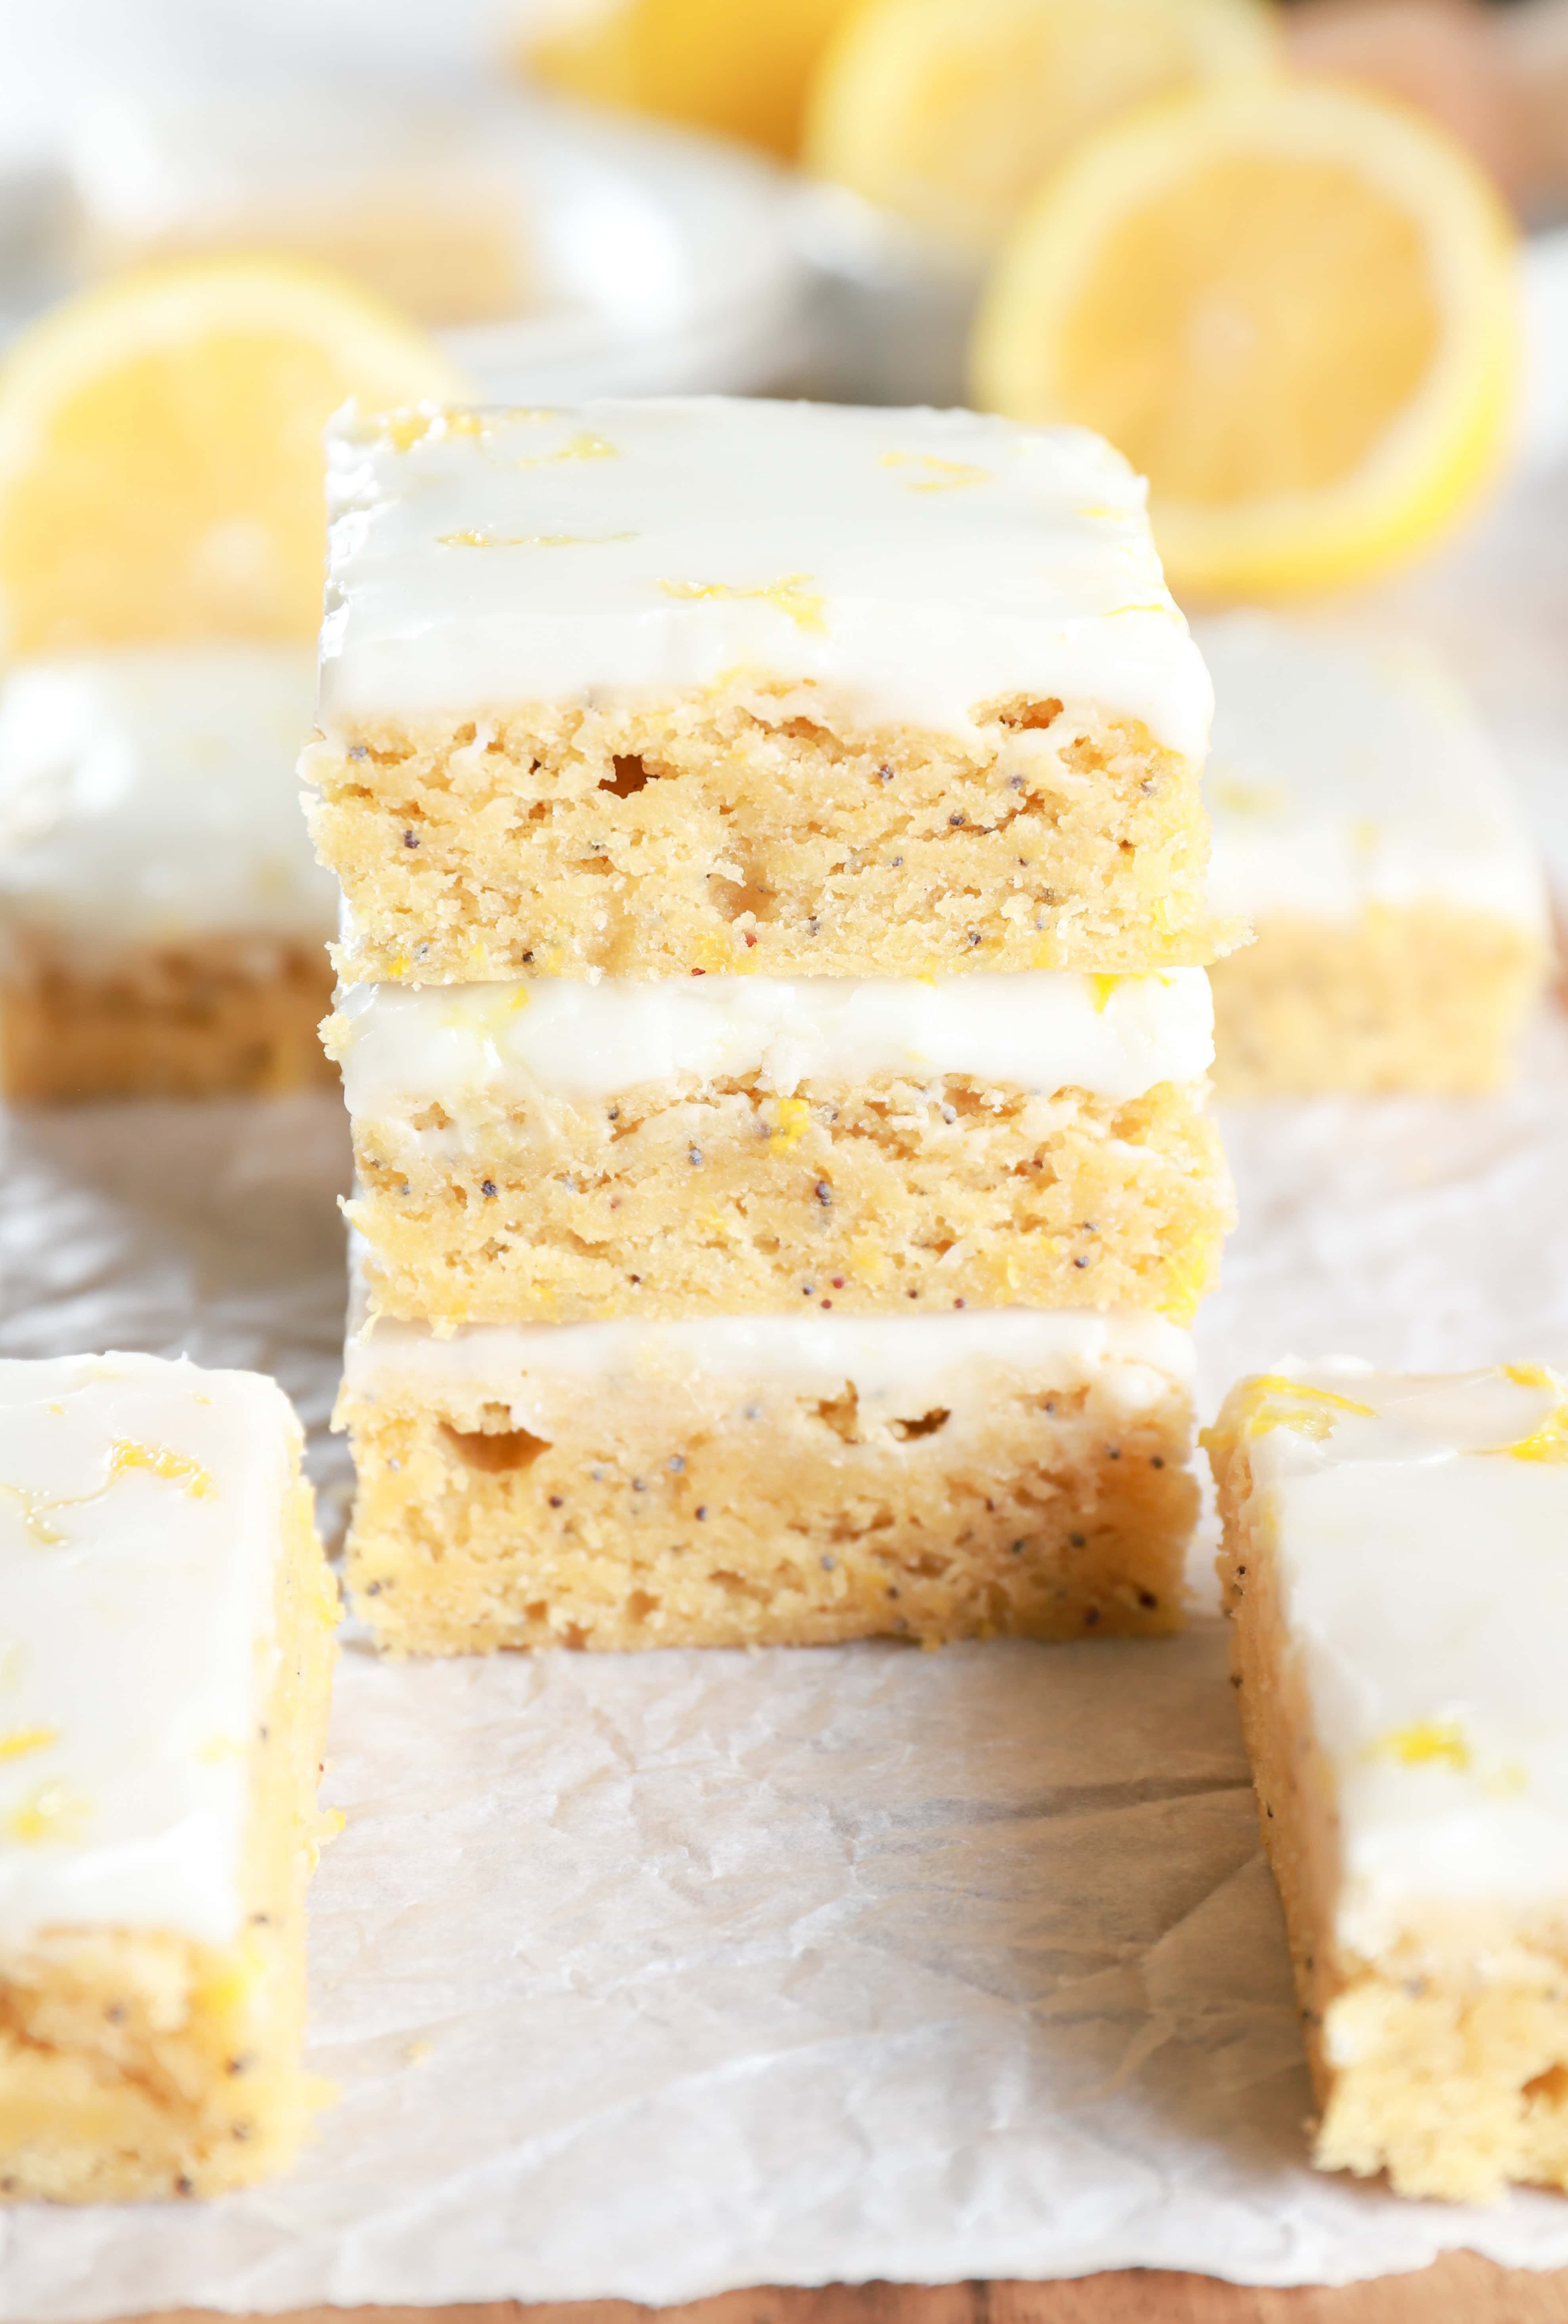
774	1024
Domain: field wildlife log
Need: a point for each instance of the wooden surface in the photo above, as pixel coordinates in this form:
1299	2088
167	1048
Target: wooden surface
1459	2289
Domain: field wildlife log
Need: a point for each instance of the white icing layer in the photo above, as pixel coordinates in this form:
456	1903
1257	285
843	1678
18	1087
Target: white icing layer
904	567
149	793
478	1047
898	1363
136	1629
1423	1573
1344	774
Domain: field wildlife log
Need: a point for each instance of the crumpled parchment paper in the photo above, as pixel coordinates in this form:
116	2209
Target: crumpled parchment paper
656	1975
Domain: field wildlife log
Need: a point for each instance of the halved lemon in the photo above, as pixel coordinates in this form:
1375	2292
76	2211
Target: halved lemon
739	66
1293	307
160	461
950	112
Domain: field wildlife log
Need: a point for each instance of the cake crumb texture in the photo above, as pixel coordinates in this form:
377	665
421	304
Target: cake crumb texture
727	1199
726	831
1051	1513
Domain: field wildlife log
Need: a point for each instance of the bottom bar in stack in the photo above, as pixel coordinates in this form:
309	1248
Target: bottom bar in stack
776	1480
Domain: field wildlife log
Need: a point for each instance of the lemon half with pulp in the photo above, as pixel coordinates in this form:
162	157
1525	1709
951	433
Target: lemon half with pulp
160	461
950	112
1293	308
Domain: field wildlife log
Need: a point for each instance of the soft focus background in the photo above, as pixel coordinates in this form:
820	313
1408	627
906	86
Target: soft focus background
651	258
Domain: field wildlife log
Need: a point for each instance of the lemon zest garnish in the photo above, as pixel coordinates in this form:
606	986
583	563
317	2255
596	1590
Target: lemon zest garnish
728	955
576	448
178	1468
792	1119
1272	1401
1101	988
1549	1442
1428	1742
791	595
405	429
24	1740
1186	1278
530	540
37	1527
945	476
50	1813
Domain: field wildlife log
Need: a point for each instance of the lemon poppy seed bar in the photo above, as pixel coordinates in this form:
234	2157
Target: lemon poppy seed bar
1364	824
551	1150
768	1480
166	1647
724	686
163	927
1393	1559
773	1023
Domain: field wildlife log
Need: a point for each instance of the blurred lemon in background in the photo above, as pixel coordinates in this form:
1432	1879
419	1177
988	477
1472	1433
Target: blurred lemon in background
160	461
1293	308
950	112
738	67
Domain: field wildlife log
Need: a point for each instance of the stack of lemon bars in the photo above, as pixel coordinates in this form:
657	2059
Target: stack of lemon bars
774	1020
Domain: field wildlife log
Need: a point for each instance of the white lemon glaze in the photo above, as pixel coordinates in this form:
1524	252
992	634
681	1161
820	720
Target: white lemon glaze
1344	774
898	1363
1422	1570
903	566
149	793
136	1637
479	1047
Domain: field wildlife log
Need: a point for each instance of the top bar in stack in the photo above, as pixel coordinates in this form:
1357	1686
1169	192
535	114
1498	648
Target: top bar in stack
672	687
